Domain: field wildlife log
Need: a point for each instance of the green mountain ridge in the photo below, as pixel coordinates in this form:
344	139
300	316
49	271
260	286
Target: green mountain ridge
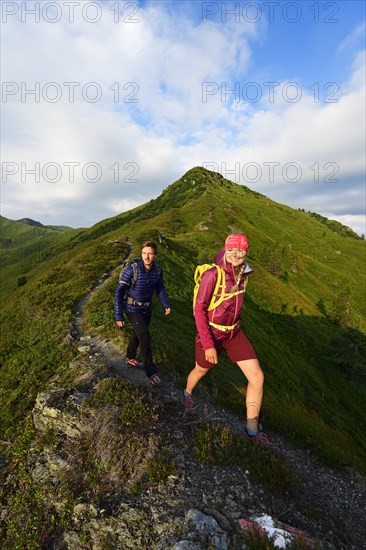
304	313
34	223
25	245
13	227
26	231
304	309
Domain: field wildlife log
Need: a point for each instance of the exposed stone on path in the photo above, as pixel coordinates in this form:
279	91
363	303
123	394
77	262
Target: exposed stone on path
58	410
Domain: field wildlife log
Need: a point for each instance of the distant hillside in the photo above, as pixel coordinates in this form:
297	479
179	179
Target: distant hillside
27	226
304	312
335	226
33	223
25	244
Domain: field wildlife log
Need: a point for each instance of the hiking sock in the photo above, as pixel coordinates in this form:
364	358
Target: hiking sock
186	394
252	426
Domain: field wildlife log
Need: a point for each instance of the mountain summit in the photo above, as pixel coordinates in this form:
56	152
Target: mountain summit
304	313
31	222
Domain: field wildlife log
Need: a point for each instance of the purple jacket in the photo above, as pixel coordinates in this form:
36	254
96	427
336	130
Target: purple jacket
227	313
141	291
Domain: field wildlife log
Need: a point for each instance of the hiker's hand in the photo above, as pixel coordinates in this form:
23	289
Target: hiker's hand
167	311
211	356
120	323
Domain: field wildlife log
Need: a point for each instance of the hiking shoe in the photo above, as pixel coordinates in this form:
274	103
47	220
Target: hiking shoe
261	439
155	380
189	405
133	363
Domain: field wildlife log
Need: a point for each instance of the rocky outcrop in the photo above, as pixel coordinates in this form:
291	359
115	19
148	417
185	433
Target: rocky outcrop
59	410
198	506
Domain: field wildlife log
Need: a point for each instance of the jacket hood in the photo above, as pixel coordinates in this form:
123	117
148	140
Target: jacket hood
219	258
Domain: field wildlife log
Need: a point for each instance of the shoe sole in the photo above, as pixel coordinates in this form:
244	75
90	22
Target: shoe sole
194	404
129	366
261	443
190	412
156	384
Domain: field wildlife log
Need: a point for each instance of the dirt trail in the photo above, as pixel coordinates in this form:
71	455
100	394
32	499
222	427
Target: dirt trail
337	499
112	355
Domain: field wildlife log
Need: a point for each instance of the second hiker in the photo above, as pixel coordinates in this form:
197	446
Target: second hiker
218	328
136	299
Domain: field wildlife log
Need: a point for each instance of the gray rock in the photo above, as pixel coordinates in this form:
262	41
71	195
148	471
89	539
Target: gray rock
208	529
58	410
72	541
84	349
186	545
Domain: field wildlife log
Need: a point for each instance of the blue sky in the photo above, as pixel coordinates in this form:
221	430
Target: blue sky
104	104
308	51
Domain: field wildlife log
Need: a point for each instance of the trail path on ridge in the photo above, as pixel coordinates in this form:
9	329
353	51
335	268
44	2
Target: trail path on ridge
327	504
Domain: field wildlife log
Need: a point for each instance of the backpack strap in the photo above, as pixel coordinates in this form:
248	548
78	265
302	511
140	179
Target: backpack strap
219	289
134	273
220	292
159	270
130	263
200	270
223	328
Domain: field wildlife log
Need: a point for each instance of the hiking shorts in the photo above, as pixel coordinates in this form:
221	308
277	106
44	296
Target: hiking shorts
237	349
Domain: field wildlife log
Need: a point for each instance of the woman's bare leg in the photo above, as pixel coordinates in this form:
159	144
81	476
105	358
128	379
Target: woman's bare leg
254	374
194	377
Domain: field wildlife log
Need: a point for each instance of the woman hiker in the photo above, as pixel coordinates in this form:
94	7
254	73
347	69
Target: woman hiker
218	330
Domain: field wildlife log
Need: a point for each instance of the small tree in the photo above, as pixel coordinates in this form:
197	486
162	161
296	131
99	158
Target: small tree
342	306
271	260
22	280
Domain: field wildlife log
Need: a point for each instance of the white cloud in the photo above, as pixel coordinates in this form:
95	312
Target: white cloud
356	36
165	62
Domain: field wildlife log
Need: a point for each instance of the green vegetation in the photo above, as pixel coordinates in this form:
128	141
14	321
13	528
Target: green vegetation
335	226
215	444
118	450
315	373
34	324
304	313
25	249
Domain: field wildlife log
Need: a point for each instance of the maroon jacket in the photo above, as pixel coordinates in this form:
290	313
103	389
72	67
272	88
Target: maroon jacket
227	313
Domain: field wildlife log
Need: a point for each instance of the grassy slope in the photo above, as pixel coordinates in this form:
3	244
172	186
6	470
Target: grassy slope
31	247
308	397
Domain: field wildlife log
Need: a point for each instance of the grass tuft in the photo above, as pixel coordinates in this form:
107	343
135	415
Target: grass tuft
217	445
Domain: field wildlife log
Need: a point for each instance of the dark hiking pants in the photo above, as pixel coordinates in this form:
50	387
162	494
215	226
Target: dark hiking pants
141	337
